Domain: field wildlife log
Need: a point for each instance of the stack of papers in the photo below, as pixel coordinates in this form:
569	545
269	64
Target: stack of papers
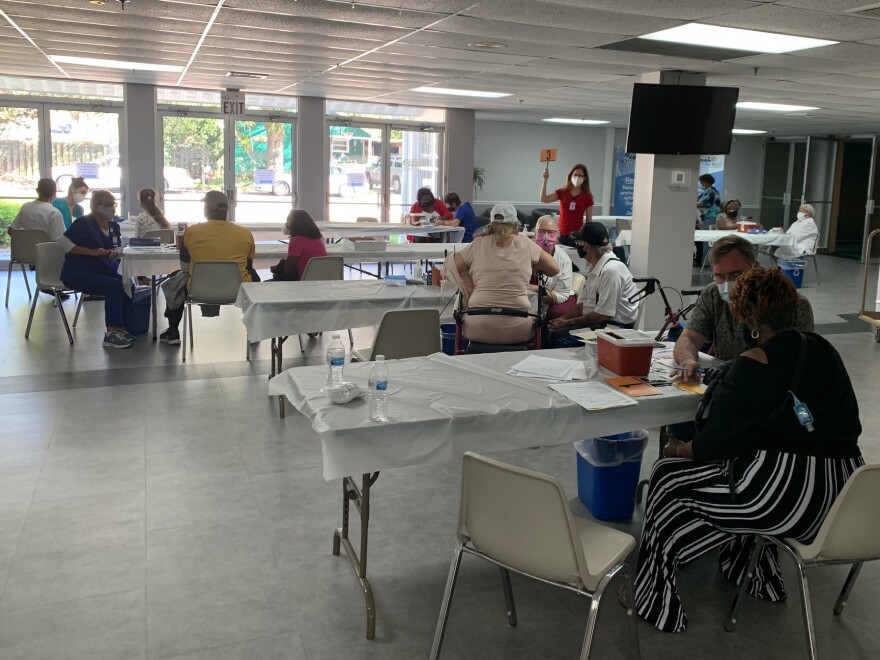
593	395
552	369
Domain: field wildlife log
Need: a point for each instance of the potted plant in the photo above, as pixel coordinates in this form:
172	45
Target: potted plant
479	179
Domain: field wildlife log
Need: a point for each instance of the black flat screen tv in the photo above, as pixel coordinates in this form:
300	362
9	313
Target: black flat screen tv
681	119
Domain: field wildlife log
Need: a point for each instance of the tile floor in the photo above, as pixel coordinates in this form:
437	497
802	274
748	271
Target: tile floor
150	509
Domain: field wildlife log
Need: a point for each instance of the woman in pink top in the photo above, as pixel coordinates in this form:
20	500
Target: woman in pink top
494	271
305	242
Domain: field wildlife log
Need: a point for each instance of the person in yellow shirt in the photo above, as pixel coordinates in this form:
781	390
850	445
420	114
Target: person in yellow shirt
214	240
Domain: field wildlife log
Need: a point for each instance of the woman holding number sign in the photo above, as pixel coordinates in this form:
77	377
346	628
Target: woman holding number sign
575	201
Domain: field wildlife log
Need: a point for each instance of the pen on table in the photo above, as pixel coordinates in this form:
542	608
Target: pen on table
699	370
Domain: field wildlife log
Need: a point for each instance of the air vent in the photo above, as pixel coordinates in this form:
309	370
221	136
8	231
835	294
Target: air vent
245	74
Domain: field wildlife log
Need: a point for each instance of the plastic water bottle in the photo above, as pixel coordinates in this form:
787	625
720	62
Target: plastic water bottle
379	390
336	362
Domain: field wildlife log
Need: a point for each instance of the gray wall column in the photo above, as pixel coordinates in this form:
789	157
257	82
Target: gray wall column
312	160
664	215
139	145
460	141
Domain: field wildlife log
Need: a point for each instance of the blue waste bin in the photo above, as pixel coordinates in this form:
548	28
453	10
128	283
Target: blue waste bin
137	317
793	269
608	473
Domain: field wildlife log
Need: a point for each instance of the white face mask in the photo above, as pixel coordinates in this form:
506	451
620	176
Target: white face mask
79	198
724	291
801	215
576	181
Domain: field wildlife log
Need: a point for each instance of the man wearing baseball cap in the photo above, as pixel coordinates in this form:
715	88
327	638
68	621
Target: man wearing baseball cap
214	240
604	298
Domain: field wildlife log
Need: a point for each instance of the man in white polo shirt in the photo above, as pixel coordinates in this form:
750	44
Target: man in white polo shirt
605	297
40	214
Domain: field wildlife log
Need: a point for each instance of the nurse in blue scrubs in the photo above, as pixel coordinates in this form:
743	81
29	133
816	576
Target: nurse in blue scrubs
70	206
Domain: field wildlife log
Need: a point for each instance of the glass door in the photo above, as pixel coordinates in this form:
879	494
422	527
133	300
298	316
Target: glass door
85	144
263	181
193	162
19	162
818	183
356	181
375	170
783	181
872	213
414	163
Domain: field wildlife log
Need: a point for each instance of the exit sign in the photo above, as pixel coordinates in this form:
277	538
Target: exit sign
232	104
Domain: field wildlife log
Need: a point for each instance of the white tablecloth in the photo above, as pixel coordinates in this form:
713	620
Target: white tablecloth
710	236
280	309
328	229
160	261
443	406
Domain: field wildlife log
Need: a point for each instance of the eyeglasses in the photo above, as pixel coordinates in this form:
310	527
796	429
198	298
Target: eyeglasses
727	277
552	232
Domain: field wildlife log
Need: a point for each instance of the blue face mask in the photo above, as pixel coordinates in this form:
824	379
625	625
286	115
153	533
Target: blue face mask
724	291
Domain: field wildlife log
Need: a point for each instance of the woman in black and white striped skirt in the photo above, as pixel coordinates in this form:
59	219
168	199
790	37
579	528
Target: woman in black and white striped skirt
756	465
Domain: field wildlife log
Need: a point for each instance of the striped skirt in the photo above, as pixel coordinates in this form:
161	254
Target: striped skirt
690	511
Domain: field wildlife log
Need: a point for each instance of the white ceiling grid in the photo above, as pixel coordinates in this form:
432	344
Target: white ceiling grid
558	60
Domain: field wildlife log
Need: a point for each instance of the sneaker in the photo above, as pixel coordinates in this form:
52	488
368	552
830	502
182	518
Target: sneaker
116	339
127	334
170	337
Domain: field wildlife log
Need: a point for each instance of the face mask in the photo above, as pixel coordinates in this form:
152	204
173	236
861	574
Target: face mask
801	215
426	203
724	291
576	181
106	211
79	198
546	239
732	212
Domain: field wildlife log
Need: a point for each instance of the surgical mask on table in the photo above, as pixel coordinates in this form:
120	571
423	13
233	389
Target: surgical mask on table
724	290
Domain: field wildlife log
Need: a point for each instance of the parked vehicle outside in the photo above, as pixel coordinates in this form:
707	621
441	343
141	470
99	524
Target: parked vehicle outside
373	173
104	173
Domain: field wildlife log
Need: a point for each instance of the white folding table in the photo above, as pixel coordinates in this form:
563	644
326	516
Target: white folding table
441	407
276	310
712	235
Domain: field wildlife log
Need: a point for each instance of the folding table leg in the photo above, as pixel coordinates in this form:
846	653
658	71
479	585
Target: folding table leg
154	301
361	499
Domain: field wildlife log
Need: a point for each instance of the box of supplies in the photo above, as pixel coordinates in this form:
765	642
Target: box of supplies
625	352
364	244
744	227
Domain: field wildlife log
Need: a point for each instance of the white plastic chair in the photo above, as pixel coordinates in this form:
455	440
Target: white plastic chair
23	252
849	535
519	520
805	256
211	283
165	236
323	269
404	333
49	258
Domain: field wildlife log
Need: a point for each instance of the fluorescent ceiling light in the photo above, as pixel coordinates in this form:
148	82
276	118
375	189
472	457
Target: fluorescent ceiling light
115	64
461	92
582	122
774	107
746	131
715	36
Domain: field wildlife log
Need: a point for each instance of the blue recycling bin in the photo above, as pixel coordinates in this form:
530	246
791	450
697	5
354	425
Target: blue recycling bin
608	473
793	269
